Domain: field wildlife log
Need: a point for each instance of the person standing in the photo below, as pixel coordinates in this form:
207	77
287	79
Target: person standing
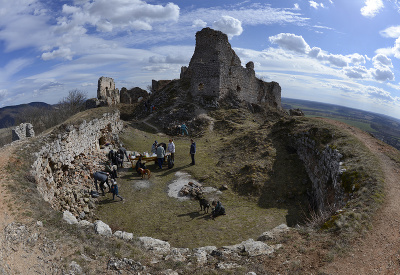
111	169
123	152
192	150
114	190
171	149
160	155
184	129
154	147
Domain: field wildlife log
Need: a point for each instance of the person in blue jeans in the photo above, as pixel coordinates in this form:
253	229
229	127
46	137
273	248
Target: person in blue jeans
192	150
114	190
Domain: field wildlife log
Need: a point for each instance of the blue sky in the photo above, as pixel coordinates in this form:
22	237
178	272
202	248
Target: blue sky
343	52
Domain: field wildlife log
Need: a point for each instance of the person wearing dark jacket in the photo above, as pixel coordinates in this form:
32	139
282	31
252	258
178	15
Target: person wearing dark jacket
111	169
218	209
123	153
192	151
103	178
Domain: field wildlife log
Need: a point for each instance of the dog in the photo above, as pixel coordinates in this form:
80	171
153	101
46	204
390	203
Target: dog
144	172
204	204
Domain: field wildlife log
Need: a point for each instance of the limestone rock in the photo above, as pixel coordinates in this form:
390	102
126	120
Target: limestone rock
69	217
125	264
102	228
123	235
251	247
155	245
274	233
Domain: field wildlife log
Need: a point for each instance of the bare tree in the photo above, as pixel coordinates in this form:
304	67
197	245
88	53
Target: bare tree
73	103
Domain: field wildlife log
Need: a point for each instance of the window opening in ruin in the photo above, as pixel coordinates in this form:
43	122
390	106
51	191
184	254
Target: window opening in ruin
201	86
238	88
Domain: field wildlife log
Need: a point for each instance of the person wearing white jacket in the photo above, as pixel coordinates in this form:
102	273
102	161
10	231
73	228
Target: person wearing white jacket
171	149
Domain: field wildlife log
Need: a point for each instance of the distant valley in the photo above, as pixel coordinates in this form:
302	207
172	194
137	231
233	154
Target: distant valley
382	127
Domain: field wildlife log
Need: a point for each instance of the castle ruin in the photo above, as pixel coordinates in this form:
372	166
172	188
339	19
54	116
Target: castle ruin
107	92
215	73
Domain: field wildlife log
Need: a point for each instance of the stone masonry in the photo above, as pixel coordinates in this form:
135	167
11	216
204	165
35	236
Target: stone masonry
64	166
107	92
22	131
215	73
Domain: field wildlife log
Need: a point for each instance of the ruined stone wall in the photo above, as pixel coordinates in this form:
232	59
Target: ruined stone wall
107	92
22	131
133	95
64	165
324	170
215	72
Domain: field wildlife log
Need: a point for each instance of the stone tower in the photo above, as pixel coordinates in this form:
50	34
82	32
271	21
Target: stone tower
215	73
106	91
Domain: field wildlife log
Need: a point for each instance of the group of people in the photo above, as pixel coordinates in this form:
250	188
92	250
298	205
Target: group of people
115	160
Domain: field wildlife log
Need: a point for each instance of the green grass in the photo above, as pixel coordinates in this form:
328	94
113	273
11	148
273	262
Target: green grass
365	126
151	212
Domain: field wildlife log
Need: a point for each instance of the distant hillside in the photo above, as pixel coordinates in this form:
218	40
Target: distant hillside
11	115
383	127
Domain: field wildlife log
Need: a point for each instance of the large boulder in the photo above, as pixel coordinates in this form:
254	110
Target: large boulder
102	228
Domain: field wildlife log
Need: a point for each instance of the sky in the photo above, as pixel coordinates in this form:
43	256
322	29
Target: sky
344	52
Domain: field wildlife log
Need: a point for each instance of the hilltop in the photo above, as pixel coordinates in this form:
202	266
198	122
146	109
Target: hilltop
300	192
250	180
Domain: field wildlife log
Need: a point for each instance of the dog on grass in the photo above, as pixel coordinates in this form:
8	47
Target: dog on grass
144	172
204	204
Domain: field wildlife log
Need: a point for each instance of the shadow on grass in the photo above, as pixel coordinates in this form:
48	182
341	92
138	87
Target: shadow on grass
287	186
196	215
173	170
108	200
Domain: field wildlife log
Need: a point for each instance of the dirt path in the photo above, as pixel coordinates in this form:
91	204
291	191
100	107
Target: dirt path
379	251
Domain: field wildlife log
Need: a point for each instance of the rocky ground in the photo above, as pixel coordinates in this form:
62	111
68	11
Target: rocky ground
28	246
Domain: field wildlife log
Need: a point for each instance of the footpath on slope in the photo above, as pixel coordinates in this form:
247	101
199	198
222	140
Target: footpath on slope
379	251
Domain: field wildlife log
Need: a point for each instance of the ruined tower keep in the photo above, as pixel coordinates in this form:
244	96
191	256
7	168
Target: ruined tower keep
106	91
215	74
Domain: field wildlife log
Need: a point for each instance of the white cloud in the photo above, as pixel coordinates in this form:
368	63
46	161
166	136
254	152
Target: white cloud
296	7
379	94
315	5
356	72
381	60
391	32
290	42
62	53
383	74
371	8
3	94
228	25
357	58
199	24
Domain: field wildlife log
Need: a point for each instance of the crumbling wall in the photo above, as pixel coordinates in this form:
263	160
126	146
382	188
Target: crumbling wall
107	92
324	168
215	73
22	131
64	165
133	95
